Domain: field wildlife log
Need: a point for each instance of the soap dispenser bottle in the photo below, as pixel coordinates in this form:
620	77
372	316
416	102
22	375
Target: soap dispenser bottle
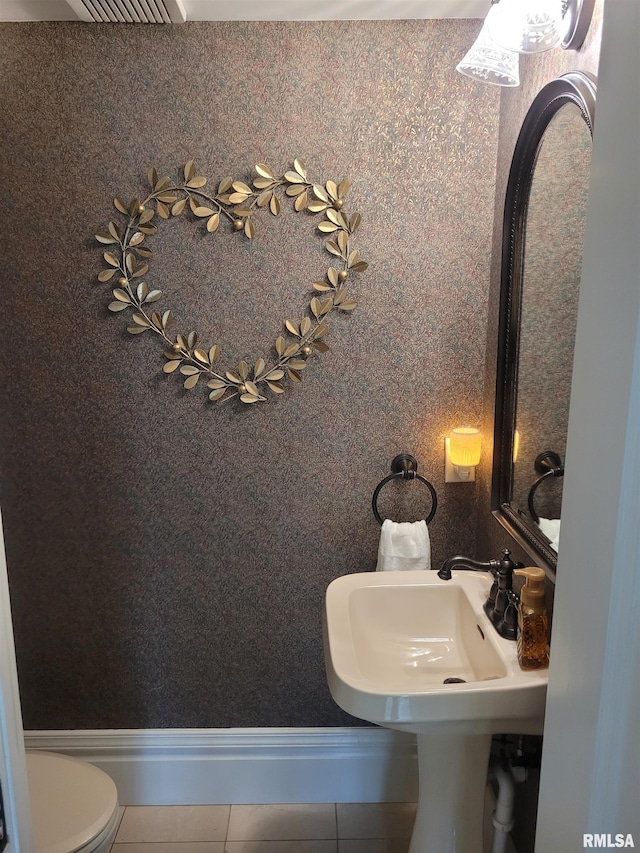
533	647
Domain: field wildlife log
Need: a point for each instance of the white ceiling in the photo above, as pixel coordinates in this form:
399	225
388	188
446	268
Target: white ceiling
272	10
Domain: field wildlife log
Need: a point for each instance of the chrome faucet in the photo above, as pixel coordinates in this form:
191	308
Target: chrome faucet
501	605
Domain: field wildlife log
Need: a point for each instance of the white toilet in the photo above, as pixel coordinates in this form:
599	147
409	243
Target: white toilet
74	805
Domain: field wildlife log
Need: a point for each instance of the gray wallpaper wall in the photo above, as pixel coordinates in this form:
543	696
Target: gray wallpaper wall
168	557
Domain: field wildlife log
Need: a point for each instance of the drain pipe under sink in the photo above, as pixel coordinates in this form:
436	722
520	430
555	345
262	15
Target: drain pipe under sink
506	776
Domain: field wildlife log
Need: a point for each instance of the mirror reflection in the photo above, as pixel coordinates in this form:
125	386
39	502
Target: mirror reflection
543	234
553	243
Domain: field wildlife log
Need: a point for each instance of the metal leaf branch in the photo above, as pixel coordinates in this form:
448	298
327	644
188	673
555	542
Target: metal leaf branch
236	202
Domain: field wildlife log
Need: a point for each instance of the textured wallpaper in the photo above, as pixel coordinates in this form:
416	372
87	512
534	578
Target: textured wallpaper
168	556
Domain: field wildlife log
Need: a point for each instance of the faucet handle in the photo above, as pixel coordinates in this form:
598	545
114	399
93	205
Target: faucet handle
506	562
505	570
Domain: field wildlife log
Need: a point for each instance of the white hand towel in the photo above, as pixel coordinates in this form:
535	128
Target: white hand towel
403	545
551	529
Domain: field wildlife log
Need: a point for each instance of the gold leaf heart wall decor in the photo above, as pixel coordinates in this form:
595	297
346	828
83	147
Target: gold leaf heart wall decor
234	204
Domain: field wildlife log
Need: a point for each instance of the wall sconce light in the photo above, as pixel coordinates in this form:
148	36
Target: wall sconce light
526	27
513	27
462	454
516	445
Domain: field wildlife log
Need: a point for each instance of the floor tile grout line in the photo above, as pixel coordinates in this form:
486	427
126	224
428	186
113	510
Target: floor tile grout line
336	838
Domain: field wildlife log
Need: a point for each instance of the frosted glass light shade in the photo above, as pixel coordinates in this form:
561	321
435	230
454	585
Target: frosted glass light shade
490	62
465	444
527	27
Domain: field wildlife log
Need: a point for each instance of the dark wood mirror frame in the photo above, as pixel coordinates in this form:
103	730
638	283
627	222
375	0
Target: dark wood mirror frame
573	88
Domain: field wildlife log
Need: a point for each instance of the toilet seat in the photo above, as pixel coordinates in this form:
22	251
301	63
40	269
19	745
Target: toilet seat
74	805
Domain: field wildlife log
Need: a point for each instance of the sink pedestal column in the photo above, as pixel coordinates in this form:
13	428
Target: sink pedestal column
451	793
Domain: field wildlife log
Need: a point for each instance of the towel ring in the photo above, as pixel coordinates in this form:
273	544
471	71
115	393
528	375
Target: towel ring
404	466
547	464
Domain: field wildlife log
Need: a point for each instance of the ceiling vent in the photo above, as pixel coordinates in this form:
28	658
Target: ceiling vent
130	11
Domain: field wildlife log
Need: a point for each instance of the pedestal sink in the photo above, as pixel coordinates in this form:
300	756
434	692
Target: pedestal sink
410	651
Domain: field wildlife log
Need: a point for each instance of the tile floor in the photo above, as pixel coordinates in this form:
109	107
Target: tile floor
298	828
314	828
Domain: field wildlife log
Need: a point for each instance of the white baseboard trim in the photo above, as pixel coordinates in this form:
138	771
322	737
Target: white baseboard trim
270	765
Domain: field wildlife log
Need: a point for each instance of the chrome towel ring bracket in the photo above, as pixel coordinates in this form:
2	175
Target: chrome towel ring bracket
404	466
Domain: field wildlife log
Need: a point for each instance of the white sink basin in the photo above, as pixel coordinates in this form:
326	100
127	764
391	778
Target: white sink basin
392	638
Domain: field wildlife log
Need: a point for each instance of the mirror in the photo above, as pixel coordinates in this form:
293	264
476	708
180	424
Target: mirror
543	232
